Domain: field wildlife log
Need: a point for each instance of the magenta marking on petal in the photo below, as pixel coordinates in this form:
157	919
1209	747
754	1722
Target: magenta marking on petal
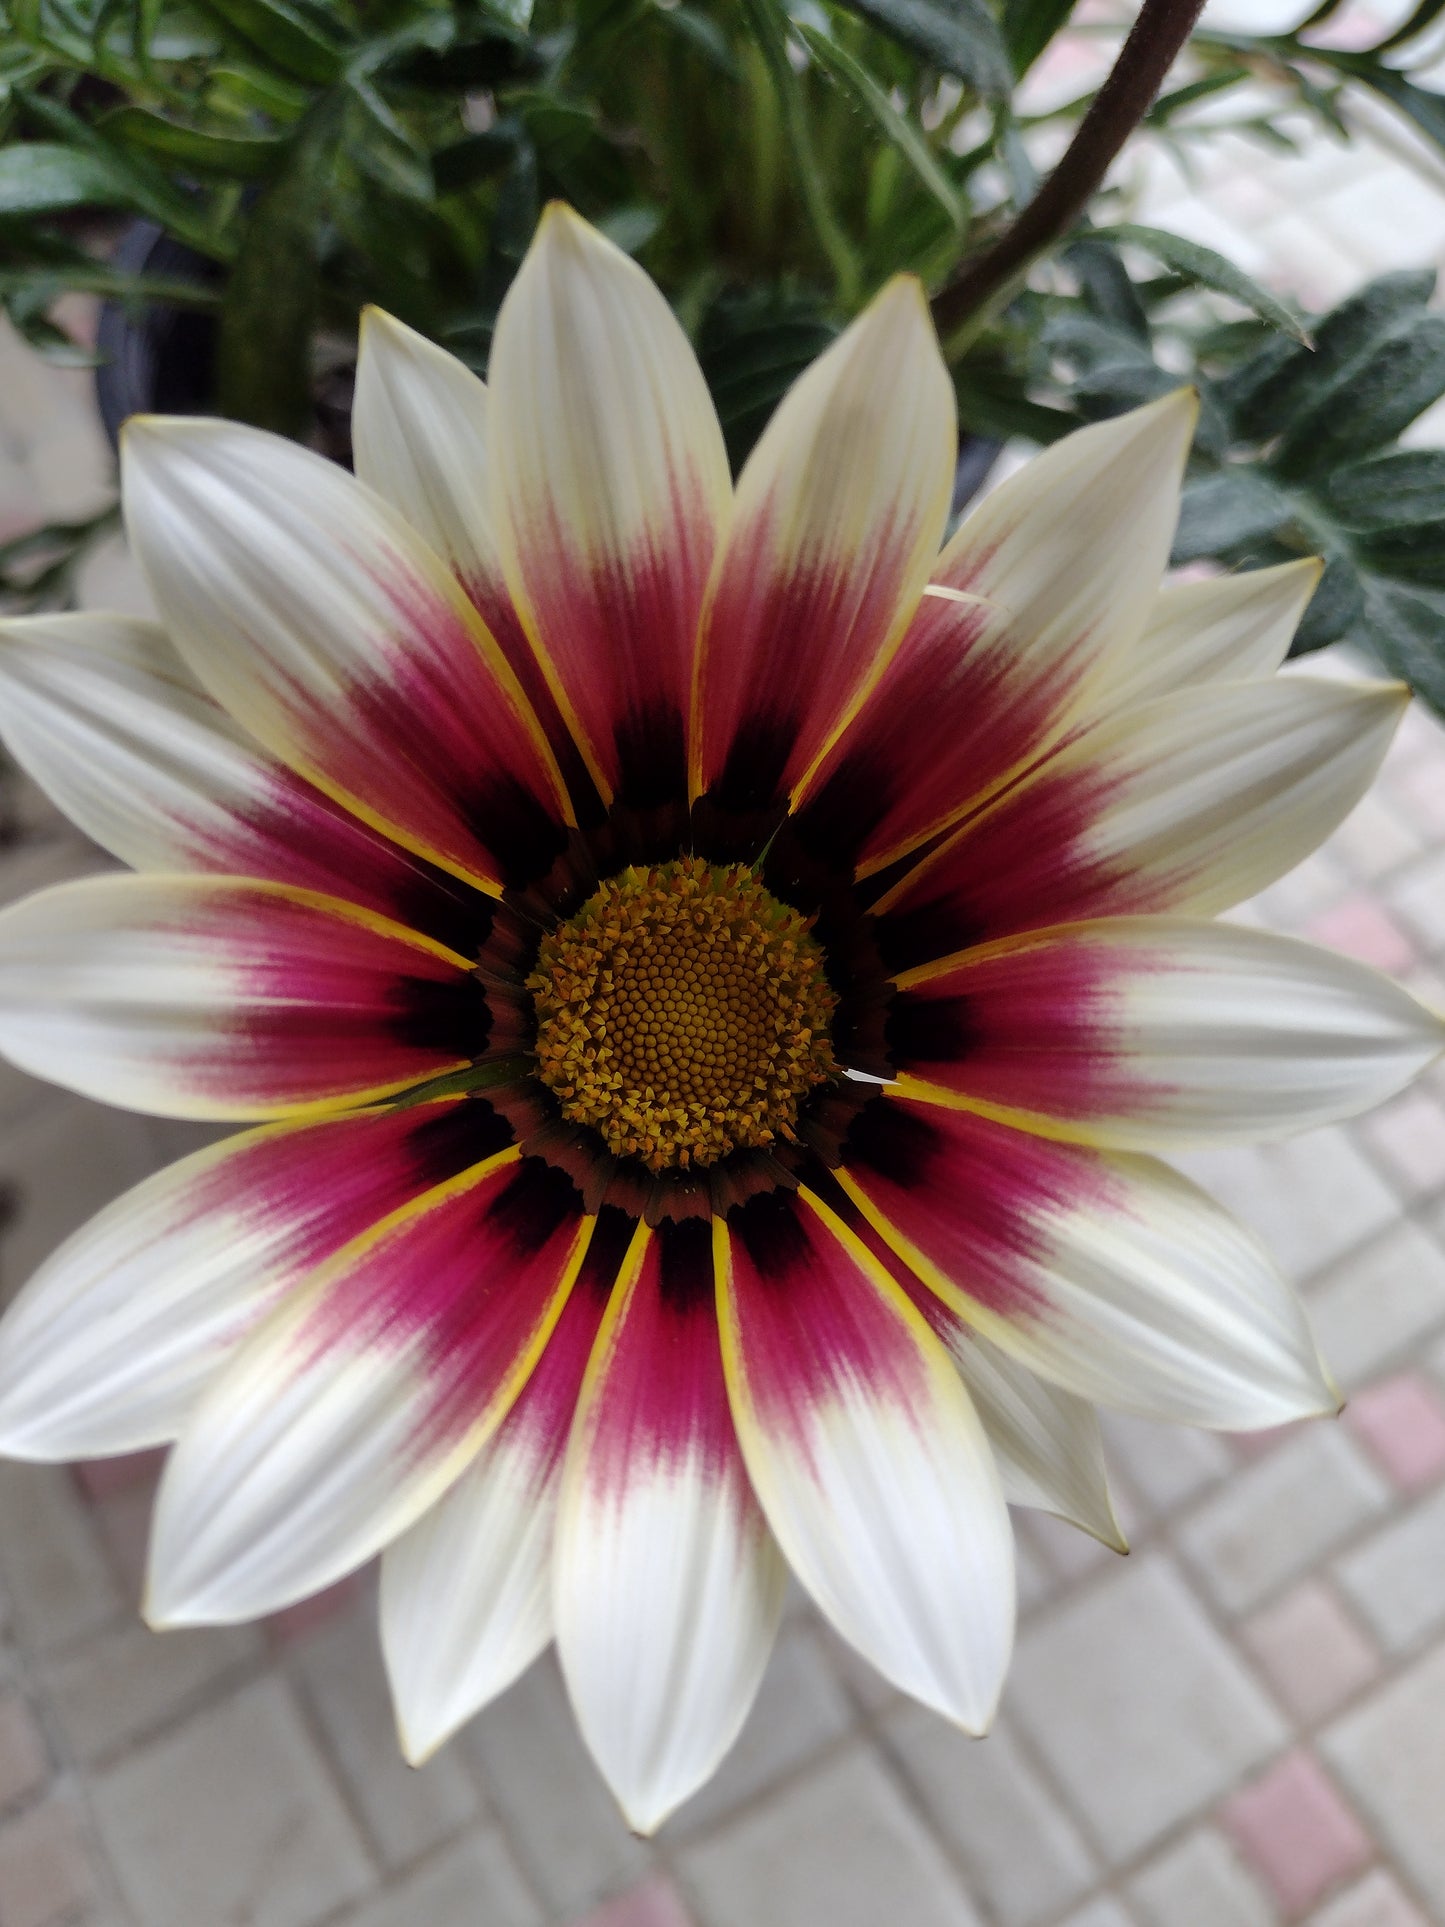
461	1288
789	641
619	630
975	1198
809	1323
1032	1029
1022	865
955	711
662	1398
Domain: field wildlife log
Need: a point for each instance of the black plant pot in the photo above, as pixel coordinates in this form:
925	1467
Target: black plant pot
158	360
162	361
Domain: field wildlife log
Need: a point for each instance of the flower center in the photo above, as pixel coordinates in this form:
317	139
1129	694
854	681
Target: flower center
683	1012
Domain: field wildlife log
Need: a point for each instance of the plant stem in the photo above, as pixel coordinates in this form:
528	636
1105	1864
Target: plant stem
989	280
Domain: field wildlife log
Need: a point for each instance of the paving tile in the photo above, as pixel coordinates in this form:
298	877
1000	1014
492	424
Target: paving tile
1297	1831
51	1564
127	1681
1264	1527
1021	1854
1375	1307
1164	1465
1389	1754
1201	1881
801	1707
1311	1651
233	1820
1396	1579
24	1765
475	1883
46	1874
535	1771
1401	1422
1311	1199
407	1810
1408	1136
1418	898
656	1903
839	1846
1378	1901
1104	1912
64	1161
1143	1713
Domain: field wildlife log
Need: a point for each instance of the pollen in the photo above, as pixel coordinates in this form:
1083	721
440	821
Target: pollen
683	1012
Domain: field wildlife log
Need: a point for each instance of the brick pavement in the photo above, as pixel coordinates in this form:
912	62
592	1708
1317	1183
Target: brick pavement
1241	1725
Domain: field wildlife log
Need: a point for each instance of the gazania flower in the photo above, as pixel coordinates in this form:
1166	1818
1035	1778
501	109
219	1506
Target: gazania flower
707	974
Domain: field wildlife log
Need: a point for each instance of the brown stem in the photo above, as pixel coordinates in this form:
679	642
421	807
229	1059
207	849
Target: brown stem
1121	103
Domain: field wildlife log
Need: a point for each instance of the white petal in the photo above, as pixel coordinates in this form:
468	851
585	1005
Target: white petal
610	491
105	716
466	1593
1047	1442
1231	628
360	1400
1151	1032
666	1586
840	510
216	997
867	1455
111	1342
1109	1274
324	624
1192	802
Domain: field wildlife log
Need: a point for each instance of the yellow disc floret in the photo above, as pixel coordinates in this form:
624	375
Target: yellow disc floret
683	1013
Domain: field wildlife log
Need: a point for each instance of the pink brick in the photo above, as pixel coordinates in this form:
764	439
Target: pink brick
1313	1654
99	1478
654	1904
45	1876
1360	927
24	1768
295	1621
1294	1828
1401	1423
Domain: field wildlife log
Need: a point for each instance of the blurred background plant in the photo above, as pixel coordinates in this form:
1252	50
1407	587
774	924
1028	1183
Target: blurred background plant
237	178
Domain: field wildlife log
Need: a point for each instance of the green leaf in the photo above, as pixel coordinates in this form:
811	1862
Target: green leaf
1419	104
240	157
45	177
860	86
1272	389
1407	633
959	36
1372	399
1029	26
1228	511
476	157
282	34
1335	607
1209	270
1400	490
263	354
383	146
95	277
242	90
